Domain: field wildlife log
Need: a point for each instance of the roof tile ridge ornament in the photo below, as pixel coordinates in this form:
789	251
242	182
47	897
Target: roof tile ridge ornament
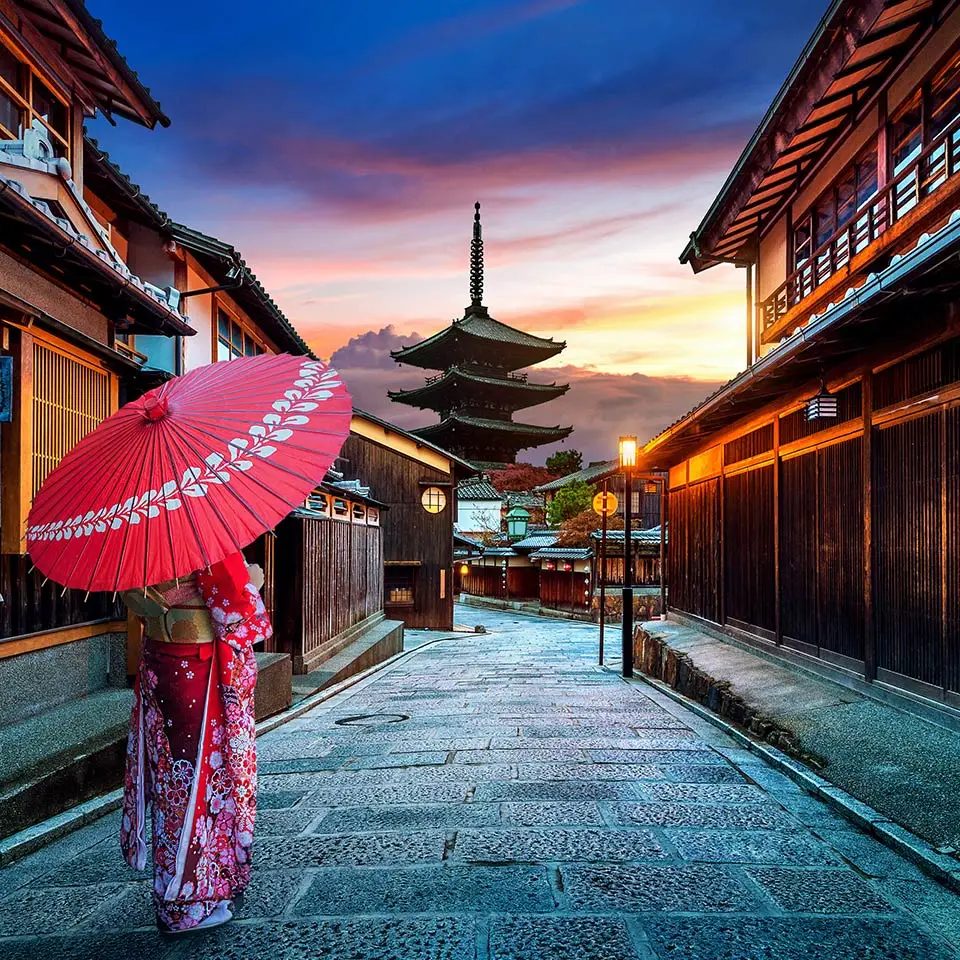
476	265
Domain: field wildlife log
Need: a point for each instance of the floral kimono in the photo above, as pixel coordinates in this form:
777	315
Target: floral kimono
191	751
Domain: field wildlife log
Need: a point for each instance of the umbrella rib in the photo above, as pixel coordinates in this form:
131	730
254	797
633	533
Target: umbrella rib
81	552
213	505
188	507
68	489
307	478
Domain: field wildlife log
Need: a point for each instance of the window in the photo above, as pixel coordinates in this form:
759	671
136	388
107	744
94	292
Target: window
70	399
906	133
434	500
25	98
945	97
399	586
837	206
234	340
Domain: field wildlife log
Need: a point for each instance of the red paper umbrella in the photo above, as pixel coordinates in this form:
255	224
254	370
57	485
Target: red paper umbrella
189	473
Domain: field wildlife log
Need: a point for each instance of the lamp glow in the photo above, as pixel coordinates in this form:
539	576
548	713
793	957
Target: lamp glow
628	452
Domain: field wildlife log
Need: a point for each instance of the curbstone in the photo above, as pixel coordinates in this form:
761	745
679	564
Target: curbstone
941	867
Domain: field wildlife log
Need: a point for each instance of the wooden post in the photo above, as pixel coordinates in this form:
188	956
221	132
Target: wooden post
777	580
603	570
17	448
750	344
869	636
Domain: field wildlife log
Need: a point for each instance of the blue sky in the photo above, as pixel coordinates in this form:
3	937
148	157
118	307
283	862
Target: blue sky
341	148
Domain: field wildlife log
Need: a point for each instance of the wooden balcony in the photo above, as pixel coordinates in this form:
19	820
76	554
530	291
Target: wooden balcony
918	199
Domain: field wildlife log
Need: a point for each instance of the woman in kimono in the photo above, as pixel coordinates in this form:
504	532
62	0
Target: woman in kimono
191	752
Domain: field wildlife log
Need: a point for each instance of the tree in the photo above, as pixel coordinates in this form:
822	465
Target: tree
520	477
572	499
575	532
565	462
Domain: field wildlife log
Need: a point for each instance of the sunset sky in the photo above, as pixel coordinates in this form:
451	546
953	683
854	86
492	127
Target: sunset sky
341	147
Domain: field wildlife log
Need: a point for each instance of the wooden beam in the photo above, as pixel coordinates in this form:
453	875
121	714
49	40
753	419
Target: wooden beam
16	438
777	580
56	638
102	61
866	469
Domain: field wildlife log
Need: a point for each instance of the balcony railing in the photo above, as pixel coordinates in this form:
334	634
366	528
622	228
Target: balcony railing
931	169
481	371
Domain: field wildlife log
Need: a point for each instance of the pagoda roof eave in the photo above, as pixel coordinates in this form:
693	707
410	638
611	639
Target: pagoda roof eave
524	394
538	434
525	349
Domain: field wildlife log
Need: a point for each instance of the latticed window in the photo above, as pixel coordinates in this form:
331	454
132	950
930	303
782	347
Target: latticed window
70	398
234	340
25	98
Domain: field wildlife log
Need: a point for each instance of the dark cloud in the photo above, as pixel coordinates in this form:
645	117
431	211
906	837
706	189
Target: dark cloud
371	350
599	406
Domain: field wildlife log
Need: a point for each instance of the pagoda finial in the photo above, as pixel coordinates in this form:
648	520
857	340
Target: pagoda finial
476	261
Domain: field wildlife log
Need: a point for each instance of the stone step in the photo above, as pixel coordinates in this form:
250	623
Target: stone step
380	641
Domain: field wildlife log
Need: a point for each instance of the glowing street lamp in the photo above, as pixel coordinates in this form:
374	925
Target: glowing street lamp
628	463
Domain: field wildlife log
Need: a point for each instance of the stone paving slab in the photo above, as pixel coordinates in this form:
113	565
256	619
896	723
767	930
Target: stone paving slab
530	807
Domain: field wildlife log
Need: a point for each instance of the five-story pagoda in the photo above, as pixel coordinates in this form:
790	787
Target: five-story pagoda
478	390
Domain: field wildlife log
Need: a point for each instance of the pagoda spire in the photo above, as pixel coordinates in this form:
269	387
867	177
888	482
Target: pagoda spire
476	261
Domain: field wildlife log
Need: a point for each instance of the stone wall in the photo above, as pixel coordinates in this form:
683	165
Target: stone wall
32	683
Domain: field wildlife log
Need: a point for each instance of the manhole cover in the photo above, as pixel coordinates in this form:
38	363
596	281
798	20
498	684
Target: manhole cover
372	719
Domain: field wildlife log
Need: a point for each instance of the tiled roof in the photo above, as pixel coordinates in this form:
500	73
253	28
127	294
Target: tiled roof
481	329
224	254
534	541
587	475
499	552
499	426
562	553
62	27
523	498
484	326
97	158
79	247
464	466
651	535
477	489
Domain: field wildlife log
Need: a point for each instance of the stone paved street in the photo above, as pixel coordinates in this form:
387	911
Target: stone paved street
498	796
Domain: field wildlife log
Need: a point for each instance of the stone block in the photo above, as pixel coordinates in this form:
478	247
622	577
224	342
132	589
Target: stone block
792	939
751	846
273	693
819	891
551	844
560	938
744	816
656	889
438	890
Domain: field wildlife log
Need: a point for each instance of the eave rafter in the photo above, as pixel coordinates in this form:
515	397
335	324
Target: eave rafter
838	77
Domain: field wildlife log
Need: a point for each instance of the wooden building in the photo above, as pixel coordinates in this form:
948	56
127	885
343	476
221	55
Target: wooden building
329	584
478	389
417	481
836	539
68	297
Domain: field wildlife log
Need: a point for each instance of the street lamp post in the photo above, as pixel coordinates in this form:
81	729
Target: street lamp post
628	462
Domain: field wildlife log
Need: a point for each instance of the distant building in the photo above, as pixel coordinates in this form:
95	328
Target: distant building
478	390
478	508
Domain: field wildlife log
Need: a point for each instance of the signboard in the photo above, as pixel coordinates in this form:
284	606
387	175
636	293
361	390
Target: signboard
6	389
605	503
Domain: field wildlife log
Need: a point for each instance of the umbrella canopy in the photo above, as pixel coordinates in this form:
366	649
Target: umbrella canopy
188	474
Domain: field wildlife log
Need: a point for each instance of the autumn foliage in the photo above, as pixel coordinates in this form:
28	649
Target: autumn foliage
520	477
576	531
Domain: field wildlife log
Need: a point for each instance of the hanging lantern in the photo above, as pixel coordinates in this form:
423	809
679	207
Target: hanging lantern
823	406
464	569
